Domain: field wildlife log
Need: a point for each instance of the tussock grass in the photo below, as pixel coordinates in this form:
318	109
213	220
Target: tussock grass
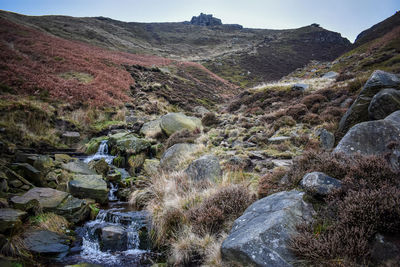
51	222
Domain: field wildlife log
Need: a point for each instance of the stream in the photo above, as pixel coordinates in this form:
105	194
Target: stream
118	235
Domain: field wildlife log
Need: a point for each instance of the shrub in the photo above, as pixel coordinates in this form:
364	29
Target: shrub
367	203
312	99
209	119
269	183
183	136
226	204
283	121
297	111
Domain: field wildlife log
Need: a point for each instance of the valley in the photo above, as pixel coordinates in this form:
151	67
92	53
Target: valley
197	143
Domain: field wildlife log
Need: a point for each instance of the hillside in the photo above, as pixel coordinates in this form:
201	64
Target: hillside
224	49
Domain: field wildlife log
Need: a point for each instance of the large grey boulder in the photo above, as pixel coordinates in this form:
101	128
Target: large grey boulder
78	167
128	143
51	200
259	237
174	122
384	103
10	219
46	243
372	137
205	167
114	238
151	129
175	155
89	186
358	112
319	184
48	198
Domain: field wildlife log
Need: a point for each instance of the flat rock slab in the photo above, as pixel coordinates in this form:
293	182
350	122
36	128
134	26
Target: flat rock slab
46	242
259	237
89	186
48	198
78	167
10	218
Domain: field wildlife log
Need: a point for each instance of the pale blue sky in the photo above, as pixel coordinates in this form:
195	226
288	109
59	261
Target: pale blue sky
349	17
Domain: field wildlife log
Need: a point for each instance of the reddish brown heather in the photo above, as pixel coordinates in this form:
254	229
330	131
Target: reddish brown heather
31	62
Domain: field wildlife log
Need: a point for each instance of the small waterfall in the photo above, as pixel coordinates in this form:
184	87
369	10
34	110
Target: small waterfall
113	238
102	153
111	193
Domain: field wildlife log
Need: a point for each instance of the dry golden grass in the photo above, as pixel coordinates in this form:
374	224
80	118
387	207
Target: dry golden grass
51	222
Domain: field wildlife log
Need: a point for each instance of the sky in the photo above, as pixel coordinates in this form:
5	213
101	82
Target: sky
348	17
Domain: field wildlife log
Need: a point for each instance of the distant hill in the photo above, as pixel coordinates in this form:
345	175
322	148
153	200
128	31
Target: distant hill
378	30
241	55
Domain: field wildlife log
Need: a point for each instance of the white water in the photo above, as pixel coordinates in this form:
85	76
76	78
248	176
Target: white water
91	247
113	190
102	153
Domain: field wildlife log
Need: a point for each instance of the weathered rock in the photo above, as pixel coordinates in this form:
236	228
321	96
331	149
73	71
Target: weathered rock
10	219
394	119
278	139
384	103
151	129
114	238
128	144
49	199
177	153
43	163
300	87
205	167
327	139
29	172
174	122
150	167
259	237
358	112
46	243
73	209
201	110
89	186
114	177
369	138
78	167
330	75
319	184
100	166
205	20
70	138
64	158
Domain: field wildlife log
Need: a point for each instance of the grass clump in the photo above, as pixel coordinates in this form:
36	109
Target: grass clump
50	221
183	136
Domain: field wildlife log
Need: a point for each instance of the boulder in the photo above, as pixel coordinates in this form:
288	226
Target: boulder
319	184
10	219
151	129
64	158
201	110
78	167
29	172
100	166
70	138
73	209
259	237
49	199
46	243
358	112
394	119
128	144
114	238
150	167
384	103
300	87
176	154
89	186
174	122
327	139
206	167
330	75
371	138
